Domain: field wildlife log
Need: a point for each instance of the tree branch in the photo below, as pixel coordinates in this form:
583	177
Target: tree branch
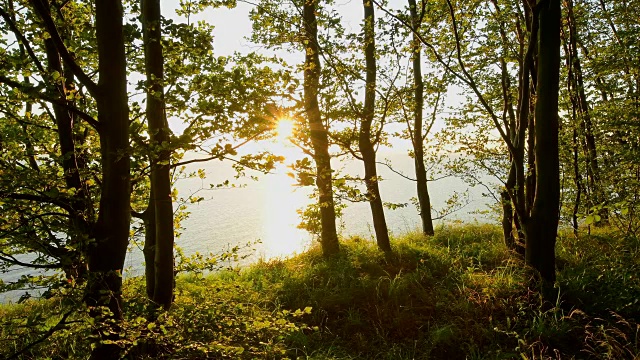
7	18
39	198
42	10
34	93
47	334
10	259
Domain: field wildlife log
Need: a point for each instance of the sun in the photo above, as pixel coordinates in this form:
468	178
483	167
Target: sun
284	130
283	144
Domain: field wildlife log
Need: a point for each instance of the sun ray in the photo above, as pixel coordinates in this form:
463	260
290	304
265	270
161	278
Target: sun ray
284	130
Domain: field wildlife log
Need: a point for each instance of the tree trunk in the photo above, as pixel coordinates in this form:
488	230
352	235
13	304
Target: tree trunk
586	127
507	220
160	155
424	200
507	209
366	146
578	181
319	136
81	209
571	89
82	215
542	226
149	249
107	252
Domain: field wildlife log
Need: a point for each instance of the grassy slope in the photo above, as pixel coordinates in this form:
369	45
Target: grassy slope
457	295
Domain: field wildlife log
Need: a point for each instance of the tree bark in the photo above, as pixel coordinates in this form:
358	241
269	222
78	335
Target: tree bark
507	209
365	144
160	155
107	252
542	226
149	249
424	200
82	215
319	133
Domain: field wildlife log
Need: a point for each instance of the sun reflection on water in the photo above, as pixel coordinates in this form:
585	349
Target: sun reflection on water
281	237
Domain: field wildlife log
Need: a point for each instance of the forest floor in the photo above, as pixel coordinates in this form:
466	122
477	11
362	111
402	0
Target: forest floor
457	295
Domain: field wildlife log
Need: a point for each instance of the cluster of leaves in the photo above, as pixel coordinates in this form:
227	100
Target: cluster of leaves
225	326
234	323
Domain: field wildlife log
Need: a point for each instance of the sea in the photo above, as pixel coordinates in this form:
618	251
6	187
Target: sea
263	211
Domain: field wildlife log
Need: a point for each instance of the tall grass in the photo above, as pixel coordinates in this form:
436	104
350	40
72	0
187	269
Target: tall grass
457	295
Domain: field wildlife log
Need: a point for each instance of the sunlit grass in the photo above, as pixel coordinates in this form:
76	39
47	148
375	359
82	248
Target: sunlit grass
457	295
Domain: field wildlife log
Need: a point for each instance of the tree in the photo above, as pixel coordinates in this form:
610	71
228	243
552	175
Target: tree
106	256
318	132
65	207
542	227
365	143
534	194
160	278
106	252
424	200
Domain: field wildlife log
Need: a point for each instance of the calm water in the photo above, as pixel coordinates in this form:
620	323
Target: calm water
266	210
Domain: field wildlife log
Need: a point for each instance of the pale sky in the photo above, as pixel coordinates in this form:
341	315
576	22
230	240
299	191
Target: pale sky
232	26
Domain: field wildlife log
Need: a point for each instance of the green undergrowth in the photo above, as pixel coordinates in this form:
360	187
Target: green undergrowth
457	295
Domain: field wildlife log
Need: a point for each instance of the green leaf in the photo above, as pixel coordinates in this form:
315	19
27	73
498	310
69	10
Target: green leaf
589	220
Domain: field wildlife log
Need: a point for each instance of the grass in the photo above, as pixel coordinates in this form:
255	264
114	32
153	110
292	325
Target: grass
457	295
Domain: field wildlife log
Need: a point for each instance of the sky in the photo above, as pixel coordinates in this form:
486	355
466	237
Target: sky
233	27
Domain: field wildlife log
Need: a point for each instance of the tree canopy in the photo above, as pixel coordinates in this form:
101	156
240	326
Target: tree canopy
102	104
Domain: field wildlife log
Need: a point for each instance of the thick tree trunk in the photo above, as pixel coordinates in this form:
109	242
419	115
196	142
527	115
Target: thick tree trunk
160	155
366	146
424	200
107	252
319	136
542	227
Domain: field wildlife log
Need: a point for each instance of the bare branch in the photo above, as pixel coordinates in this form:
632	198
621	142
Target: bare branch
7	18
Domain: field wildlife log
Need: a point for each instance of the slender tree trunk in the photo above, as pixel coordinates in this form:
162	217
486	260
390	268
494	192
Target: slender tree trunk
319	136
424	200
513	197
578	180
531	178
107	252
507	209
526	183
149	249
365	144
522	186
160	155
81	217
571	89
542	226
586	126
